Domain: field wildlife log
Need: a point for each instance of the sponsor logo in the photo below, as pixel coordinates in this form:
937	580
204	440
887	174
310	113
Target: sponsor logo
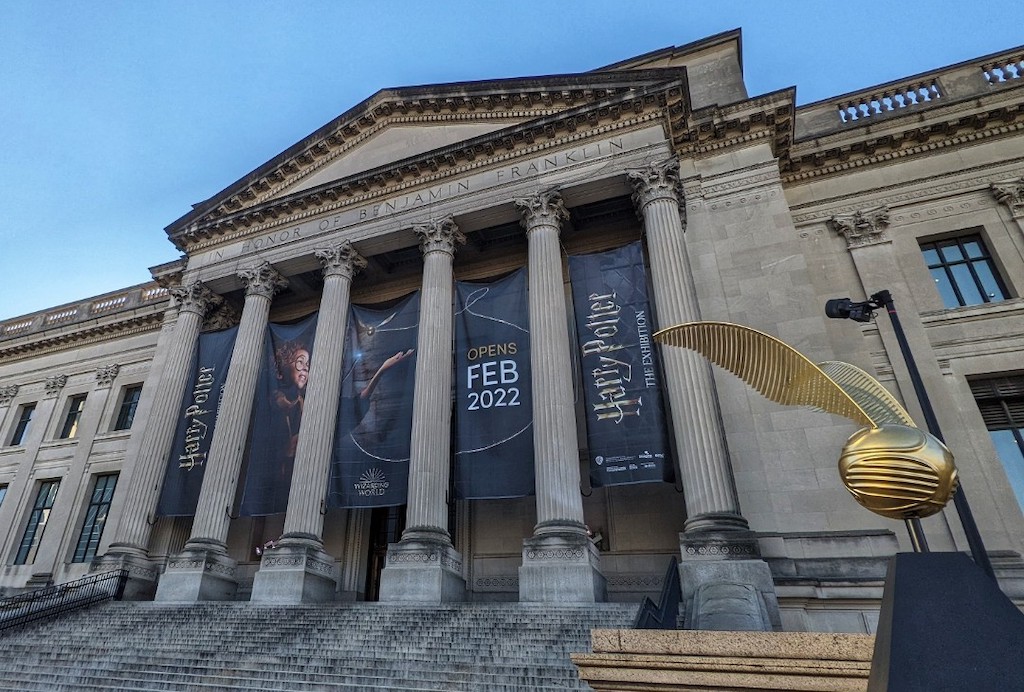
372	482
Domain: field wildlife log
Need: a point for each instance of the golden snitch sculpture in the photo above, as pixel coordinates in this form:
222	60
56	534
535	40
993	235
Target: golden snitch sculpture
891	467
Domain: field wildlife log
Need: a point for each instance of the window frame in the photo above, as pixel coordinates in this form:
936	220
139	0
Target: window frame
72	416
23	425
104	486
950	270
38	518
1000	401
131	395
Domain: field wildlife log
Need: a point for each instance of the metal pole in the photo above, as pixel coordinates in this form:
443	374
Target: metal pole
963	509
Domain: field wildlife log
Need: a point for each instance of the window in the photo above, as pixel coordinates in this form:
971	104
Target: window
1001	401
963	271
129	402
37	522
24	421
3	494
95	518
75	408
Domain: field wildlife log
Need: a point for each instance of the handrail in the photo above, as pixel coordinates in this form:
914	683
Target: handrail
665	614
61	598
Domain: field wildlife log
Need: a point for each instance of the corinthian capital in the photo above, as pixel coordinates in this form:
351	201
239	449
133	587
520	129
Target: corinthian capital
262	280
340	260
7	394
658	181
105	375
195	297
1010	193
543	209
54	384
863	227
439	236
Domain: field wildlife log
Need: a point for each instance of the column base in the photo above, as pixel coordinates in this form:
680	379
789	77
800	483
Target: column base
716	521
294	573
725	584
422	571
561	568
142	571
201	572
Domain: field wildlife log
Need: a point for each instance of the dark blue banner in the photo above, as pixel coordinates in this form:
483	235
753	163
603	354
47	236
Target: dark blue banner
493	396
184	476
370	467
276	416
626	432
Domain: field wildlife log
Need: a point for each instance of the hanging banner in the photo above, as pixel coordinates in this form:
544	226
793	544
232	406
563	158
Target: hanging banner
493	396
196	422
370	467
626	433
276	416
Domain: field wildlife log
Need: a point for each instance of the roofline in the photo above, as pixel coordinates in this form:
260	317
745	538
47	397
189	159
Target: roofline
723	37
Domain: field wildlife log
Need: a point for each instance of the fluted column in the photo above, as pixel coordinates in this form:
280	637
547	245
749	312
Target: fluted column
711	501
559	562
148	449
298	570
424	566
203	571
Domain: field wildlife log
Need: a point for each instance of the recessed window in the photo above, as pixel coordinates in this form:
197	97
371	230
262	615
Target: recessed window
75	408
3	494
129	402
1001	402
23	424
95	517
963	271
45	496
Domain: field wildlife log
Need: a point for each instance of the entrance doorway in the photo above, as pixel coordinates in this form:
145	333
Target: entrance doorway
386	526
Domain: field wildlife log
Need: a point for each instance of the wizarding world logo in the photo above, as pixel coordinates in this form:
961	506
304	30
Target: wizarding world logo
372	482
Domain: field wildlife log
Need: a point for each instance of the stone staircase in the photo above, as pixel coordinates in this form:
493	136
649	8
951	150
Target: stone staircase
356	646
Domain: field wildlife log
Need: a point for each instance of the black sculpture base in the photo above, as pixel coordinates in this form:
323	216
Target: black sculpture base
945	625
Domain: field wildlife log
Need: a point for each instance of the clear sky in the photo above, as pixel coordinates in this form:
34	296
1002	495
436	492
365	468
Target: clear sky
117	116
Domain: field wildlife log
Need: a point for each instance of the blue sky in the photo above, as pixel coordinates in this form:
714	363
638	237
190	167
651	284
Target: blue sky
117	116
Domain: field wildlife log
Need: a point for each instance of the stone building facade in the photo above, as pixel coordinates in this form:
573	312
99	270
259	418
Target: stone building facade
750	209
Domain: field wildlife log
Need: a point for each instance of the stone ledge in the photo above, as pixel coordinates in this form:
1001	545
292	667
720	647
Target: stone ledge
705	660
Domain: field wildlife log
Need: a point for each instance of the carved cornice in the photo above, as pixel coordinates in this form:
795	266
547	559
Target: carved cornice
1010	193
659	181
7	394
136	324
341	260
543	209
864	227
769	117
223	316
439	236
106	374
262	280
53	385
195	297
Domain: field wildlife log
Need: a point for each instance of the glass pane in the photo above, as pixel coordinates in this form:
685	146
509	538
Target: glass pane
945	288
965	282
988	280
1013	460
931	257
973	248
951	252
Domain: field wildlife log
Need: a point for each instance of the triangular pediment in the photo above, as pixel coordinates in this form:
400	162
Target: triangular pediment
402	132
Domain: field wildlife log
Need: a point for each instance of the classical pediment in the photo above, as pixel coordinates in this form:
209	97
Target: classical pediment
403	133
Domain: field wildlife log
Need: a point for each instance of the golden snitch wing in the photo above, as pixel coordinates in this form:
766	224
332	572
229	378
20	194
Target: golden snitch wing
773	368
868	392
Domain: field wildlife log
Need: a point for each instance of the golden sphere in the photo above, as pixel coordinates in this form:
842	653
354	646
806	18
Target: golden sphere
898	471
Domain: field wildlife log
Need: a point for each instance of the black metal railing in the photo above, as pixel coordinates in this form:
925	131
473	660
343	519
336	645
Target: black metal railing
665	614
62	598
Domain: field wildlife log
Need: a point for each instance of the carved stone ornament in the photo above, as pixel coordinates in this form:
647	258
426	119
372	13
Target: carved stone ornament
7	394
262	280
543	209
439	236
340	260
54	384
225	315
1010	193
863	227
105	375
658	181
195	297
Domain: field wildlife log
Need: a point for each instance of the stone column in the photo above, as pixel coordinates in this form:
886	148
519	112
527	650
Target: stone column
720	564
203	571
424	566
298	570
148	449
560	564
